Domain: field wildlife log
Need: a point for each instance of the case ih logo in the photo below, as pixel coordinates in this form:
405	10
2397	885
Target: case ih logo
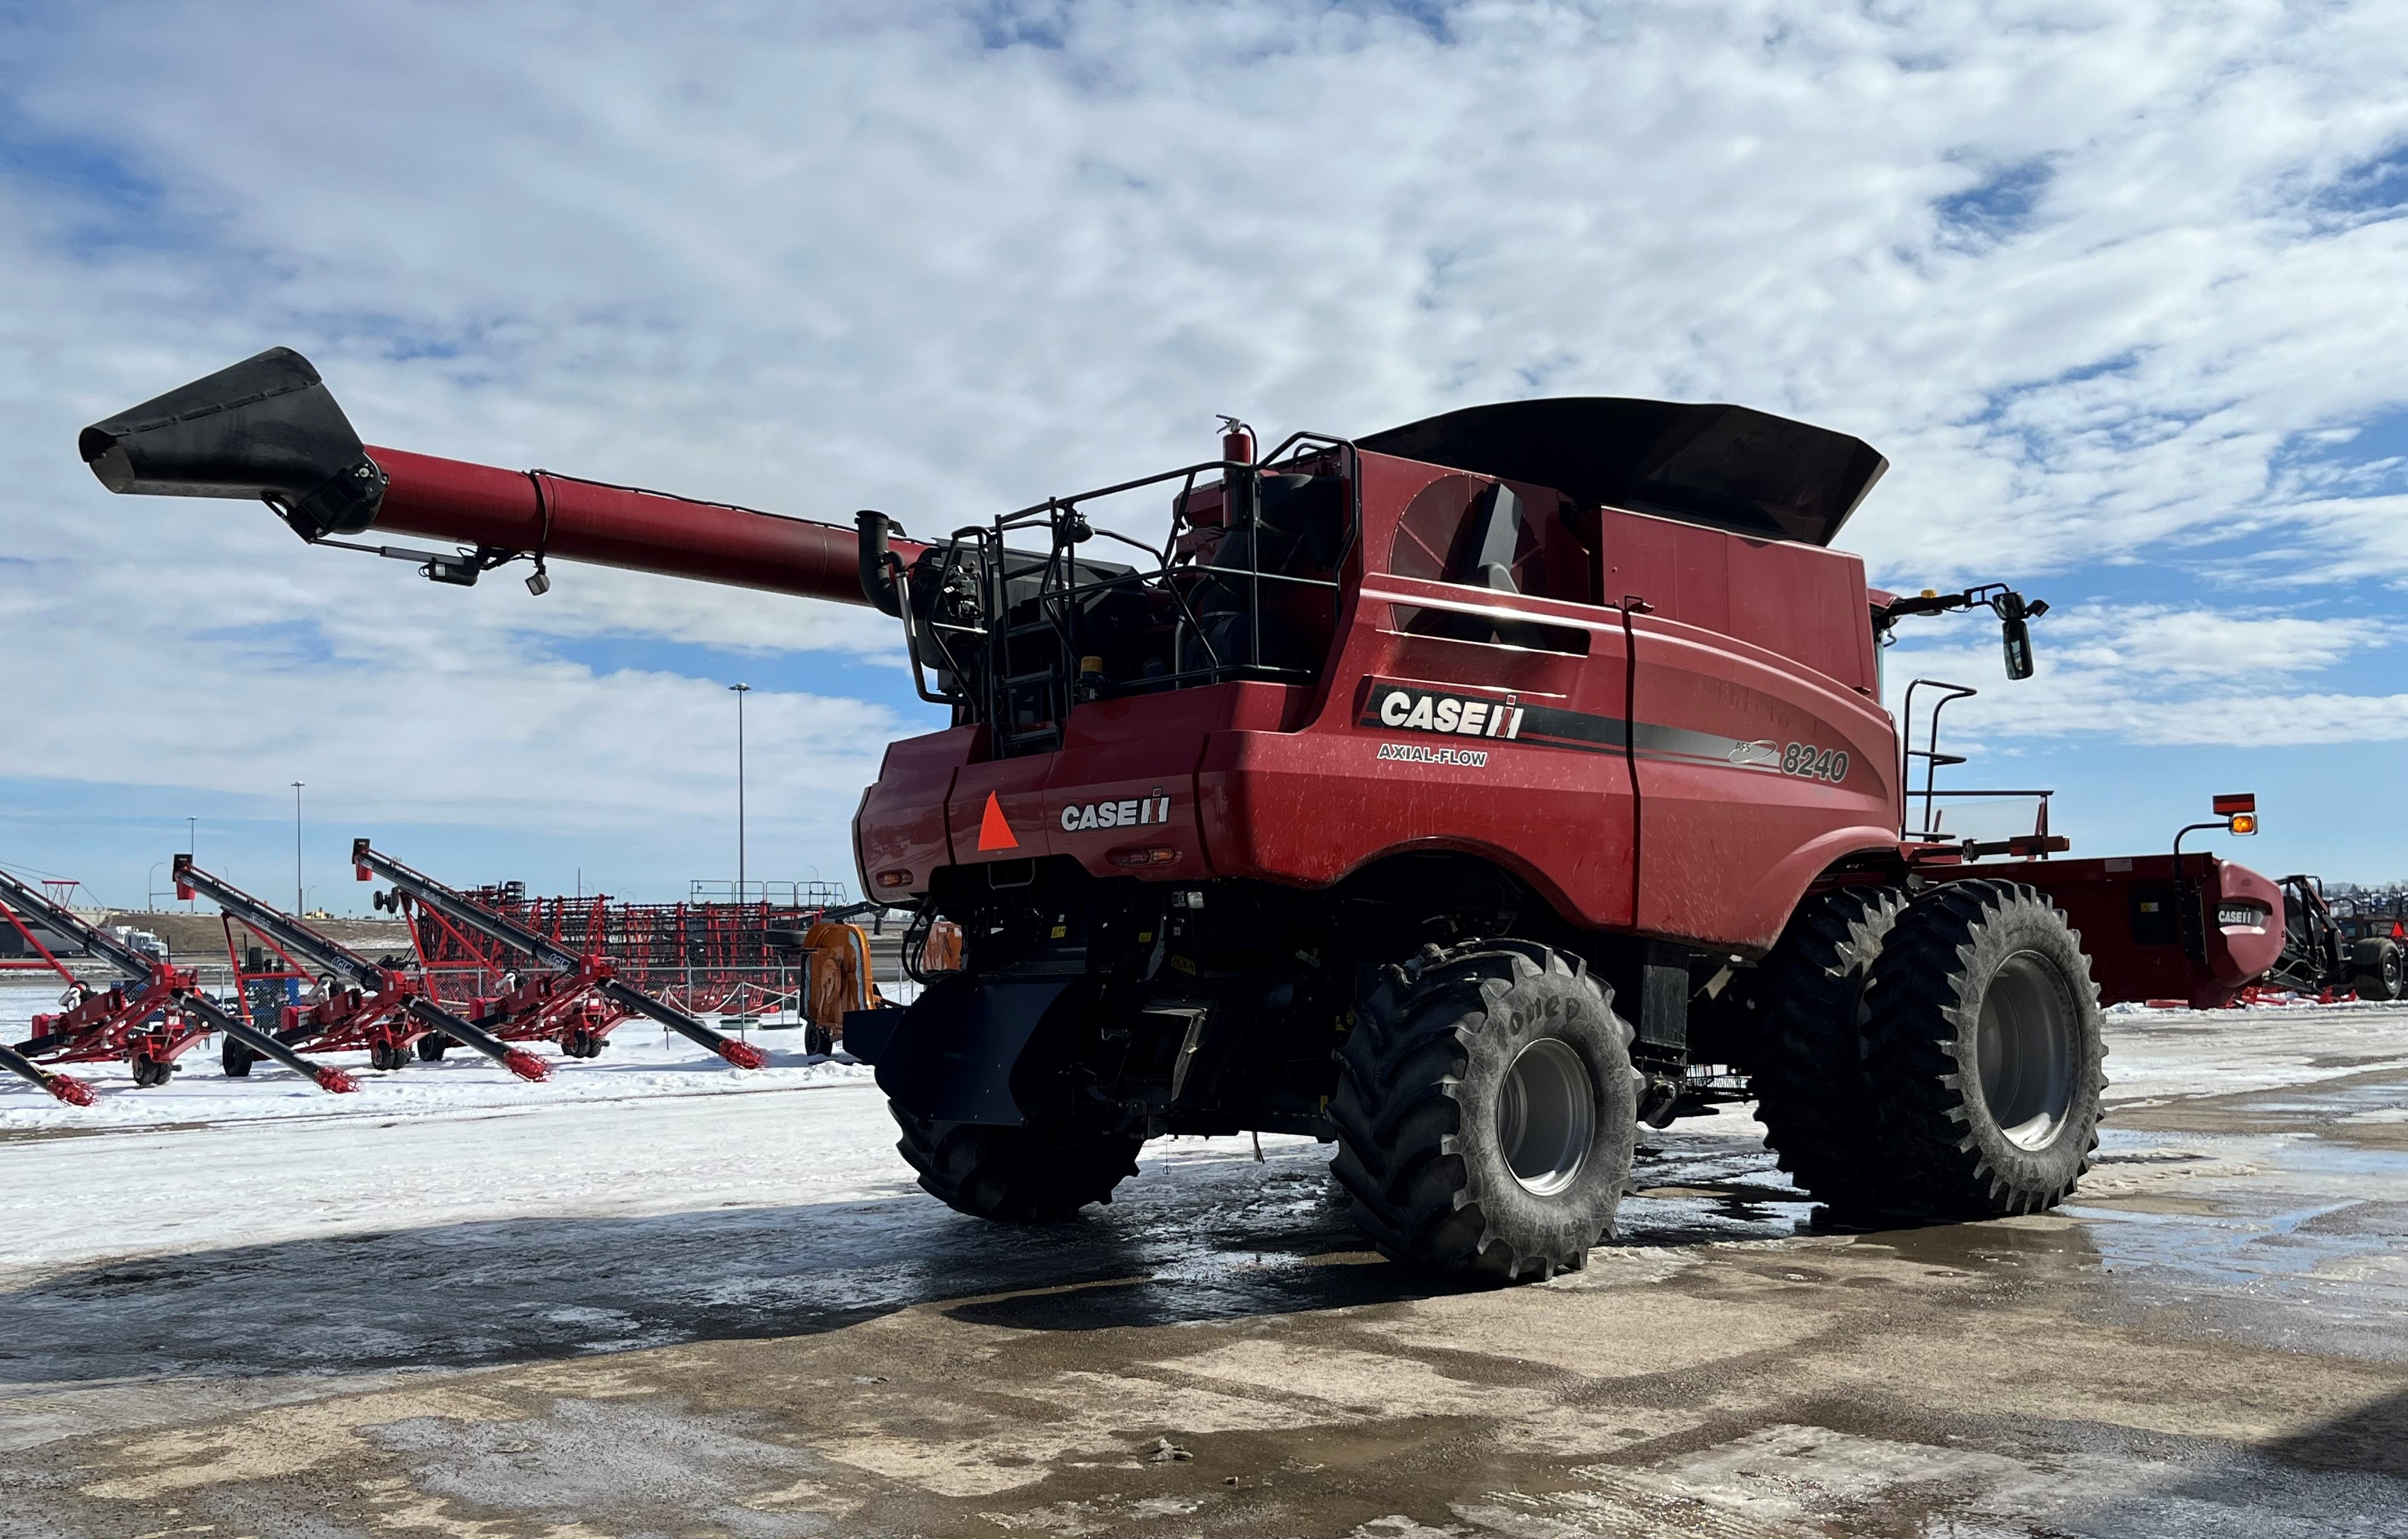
1129	813
1428	710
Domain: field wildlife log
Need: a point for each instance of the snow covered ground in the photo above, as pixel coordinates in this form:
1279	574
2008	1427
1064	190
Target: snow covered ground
2154	1054
641	1060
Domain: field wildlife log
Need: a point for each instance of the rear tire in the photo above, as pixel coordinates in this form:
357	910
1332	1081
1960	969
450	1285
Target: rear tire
236	1060
1014	1175
2376	966
1810	1008
431	1047
1984	1054
817	1043
1485	1112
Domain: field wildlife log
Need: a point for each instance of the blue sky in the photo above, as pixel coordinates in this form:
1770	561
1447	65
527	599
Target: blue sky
2114	287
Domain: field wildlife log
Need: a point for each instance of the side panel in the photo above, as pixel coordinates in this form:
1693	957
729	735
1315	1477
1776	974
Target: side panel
1762	753
997	811
1123	782
901	824
1376	774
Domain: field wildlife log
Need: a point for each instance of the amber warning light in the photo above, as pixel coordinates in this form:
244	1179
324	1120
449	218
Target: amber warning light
2239	812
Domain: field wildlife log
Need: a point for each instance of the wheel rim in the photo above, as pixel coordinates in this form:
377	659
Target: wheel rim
1546	1115
2026	1051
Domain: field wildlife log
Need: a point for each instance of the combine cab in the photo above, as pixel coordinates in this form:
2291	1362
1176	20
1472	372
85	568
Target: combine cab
1462	793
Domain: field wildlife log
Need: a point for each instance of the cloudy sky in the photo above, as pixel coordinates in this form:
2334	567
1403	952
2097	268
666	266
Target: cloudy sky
2116	286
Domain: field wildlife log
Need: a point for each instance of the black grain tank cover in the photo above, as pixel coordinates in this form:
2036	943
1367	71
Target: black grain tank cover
1727	467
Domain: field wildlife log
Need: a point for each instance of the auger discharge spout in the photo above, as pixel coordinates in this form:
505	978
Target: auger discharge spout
268	428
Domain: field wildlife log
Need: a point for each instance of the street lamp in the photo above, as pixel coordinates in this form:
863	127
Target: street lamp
739	691
149	889
299	904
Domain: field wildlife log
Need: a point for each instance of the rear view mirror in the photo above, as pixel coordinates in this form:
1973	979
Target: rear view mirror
2017	637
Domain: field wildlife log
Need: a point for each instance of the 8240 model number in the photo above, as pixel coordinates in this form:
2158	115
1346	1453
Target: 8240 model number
1805	759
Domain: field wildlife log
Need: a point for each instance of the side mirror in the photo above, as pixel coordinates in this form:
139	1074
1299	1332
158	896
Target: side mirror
2017	637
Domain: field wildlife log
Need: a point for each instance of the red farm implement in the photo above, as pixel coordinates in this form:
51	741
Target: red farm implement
572	997
701	957
2353	946
361	1004
146	1021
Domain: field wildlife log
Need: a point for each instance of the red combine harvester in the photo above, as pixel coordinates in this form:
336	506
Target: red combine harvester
362	1004
147	1022
575	999
1409	791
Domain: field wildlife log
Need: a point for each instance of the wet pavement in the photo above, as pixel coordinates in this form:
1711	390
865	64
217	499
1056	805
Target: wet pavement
739	1318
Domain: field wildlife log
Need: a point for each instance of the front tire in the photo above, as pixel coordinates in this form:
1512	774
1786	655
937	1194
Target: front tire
1014	1175
1485	1112
1984	1054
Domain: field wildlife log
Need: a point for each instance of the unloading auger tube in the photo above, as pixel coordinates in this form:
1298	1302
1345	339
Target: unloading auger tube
267	427
299	941
140	967
456	908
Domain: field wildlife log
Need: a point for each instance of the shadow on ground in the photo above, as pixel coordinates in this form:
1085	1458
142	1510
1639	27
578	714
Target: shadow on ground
1200	1240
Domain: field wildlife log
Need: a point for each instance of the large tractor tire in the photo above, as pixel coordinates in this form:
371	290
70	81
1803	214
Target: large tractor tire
1808	1007
1984	1054
2376	968
1015	1175
1485	1112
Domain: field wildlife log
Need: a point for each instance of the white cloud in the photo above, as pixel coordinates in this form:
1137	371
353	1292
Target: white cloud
2158	675
819	258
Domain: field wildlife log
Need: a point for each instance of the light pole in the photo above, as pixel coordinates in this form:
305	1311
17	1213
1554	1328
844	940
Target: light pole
298	902
191	837
739	691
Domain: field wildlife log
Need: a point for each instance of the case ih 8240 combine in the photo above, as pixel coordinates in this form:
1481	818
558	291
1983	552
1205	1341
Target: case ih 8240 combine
1449	792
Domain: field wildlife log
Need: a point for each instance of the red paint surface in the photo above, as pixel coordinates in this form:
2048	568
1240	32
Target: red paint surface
2099	897
646	531
1743	641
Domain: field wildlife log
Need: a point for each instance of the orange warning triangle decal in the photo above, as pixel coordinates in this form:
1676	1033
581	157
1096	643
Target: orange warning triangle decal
994	832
